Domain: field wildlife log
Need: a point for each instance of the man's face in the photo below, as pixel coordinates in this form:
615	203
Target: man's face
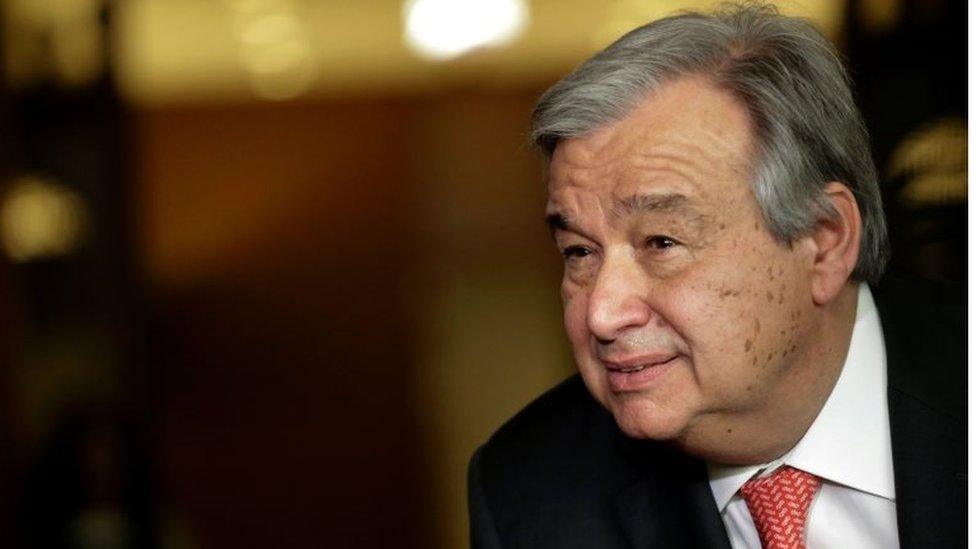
681	308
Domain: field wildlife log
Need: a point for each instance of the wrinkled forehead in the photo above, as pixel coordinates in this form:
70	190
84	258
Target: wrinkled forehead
687	130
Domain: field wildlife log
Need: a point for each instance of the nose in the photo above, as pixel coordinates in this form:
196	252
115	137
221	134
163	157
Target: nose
617	302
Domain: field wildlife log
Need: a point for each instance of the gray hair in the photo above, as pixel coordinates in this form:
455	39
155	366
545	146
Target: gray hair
808	130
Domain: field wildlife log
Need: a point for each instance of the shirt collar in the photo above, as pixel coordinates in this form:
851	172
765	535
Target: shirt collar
849	443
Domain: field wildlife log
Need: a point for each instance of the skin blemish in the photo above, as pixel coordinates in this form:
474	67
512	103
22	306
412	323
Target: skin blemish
729	431
769	296
757	326
780	298
748	387
748	345
728	292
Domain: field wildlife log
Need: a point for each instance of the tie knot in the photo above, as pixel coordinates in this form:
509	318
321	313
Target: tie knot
779	504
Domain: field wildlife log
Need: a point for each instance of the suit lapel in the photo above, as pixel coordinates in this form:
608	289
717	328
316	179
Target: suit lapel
925	347
929	454
670	504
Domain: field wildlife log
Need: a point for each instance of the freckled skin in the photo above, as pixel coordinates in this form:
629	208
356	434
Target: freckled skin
728	292
628	293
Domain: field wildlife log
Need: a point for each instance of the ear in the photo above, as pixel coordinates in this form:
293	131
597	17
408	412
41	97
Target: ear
837	241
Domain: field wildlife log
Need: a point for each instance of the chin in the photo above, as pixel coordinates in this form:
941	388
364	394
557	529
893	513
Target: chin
642	420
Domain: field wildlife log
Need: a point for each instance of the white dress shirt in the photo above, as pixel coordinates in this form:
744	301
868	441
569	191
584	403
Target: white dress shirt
848	446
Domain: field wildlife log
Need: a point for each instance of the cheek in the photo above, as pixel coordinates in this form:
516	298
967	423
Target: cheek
574	313
722	316
706	311
753	325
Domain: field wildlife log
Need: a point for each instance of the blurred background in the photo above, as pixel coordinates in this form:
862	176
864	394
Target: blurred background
270	270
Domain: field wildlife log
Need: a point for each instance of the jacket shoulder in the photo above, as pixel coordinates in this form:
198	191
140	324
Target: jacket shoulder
555	418
924	324
548	472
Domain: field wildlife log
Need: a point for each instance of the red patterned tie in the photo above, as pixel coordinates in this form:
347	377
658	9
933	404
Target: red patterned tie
779	504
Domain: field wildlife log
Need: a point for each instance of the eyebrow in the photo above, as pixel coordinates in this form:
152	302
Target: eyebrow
642	203
633	204
557	222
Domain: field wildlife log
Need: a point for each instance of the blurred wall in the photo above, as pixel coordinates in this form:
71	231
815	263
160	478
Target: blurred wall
277	245
347	298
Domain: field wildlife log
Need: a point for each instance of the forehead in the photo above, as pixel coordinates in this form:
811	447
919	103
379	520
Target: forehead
687	137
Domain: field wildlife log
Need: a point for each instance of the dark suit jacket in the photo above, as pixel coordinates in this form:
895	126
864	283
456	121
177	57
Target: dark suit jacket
560	474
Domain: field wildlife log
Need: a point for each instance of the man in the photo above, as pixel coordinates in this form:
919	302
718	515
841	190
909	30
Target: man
712	192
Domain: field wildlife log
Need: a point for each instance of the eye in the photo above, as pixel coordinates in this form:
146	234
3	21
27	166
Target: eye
575	252
660	242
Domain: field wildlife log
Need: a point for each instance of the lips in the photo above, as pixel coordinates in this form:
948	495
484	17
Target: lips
631	370
636	373
636	364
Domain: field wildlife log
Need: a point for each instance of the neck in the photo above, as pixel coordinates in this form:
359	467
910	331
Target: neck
767	432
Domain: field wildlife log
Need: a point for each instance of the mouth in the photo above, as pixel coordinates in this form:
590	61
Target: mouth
637	373
630	370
